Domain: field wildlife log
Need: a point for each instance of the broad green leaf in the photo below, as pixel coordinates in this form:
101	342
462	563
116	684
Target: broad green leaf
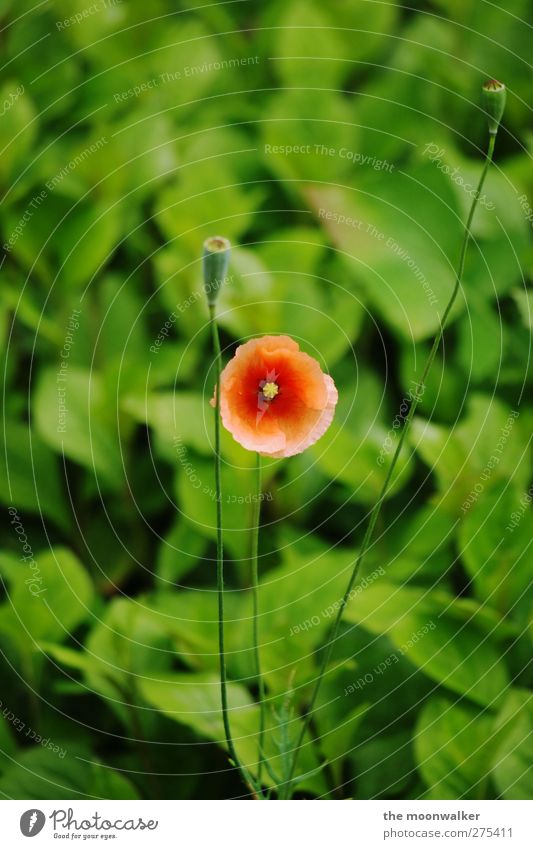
54	91
320	150
488	445
7	745
197	498
128	642
86	430
41	773
454	749
512	761
86	241
72	659
351	28
384	765
18	127
94	26
524	302
419	547
122	337
282	286
365	40
179	552
49	595
29	477
184	207
311	50
129	161
495	537
362	462
194	700
446	638
400	250
338	735
480	349
445	385
298	601
181	418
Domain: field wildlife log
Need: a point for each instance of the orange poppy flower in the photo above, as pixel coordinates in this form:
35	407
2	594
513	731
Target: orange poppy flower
275	399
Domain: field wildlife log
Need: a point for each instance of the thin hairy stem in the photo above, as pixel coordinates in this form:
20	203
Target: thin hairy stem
332	636
255	612
220	560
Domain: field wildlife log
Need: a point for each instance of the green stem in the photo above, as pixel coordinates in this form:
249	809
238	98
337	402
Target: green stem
332	636
255	613
220	560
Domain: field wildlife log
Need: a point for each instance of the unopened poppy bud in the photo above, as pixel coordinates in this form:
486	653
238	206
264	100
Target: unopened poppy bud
215	265
494	95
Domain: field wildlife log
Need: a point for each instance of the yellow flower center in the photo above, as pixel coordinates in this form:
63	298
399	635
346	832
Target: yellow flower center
270	390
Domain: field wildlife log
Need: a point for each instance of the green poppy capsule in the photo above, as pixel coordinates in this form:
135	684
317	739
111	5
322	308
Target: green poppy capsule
215	265
494	95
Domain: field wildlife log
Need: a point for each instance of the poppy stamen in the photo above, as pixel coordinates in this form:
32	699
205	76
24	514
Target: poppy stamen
270	390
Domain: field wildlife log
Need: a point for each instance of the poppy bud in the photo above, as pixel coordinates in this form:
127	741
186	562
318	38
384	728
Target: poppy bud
494	94
215	265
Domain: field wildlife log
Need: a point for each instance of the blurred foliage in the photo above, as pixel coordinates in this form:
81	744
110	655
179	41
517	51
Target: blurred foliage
332	144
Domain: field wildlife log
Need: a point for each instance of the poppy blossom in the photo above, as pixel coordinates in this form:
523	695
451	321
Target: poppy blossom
274	398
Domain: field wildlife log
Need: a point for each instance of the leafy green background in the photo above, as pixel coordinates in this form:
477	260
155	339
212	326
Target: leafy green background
127	137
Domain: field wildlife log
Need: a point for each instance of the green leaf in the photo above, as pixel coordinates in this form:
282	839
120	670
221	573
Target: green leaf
129	641
86	431
194	700
453	749
138	155
179	552
338	735
190	620
44	774
479	352
29	478
298	602
86	240
445	638
495	538
321	148
524	302
122	338
196	491
281	286
487	446
49	595
184	207
362	463
77	660
180	418
7	745
384	764
512	760
18	128
418	546
311	51
401	252
445	385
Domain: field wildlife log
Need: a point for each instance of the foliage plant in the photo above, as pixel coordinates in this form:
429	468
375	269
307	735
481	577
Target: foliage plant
371	594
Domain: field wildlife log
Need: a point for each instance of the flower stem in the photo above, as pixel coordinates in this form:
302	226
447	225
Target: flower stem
332	636
220	560
255	613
